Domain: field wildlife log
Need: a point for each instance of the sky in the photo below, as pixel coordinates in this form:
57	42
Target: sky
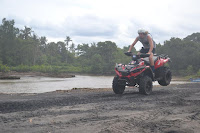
88	21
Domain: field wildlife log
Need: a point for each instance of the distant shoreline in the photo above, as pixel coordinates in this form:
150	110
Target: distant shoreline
59	75
69	75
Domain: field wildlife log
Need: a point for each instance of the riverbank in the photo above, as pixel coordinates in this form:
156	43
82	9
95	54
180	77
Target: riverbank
174	108
70	75
32	74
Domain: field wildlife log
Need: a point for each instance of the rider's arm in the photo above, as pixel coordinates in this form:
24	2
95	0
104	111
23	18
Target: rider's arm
151	44
136	40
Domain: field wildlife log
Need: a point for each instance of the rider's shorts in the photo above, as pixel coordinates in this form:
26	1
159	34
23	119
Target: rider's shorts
146	50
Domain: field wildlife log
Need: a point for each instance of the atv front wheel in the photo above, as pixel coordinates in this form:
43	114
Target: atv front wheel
145	86
166	77
118	89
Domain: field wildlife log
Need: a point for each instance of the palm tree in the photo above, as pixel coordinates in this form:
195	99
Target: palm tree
68	39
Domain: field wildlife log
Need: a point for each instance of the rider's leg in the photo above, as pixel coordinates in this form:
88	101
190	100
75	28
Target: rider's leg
151	62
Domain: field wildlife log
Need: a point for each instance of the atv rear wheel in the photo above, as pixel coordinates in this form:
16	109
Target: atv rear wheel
145	86
166	77
118	89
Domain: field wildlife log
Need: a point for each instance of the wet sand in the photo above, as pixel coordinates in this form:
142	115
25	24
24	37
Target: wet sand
171	109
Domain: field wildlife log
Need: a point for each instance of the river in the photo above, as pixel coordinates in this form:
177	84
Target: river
28	84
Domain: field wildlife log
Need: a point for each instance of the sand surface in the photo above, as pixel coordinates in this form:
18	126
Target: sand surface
171	109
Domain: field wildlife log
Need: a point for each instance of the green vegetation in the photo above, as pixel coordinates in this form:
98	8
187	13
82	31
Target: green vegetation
185	54
22	50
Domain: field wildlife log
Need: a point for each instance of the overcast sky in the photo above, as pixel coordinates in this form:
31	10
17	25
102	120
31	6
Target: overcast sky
87	21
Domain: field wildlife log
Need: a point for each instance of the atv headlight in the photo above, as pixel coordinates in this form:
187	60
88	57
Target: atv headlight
134	57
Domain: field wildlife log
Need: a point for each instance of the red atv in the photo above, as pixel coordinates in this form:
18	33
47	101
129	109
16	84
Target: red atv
138	73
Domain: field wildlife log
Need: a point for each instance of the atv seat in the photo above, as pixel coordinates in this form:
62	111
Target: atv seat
146	60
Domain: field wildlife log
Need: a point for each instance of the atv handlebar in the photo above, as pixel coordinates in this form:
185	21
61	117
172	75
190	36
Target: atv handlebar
128	53
136	57
141	55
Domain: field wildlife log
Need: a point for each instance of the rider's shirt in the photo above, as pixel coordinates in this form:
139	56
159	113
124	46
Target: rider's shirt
145	41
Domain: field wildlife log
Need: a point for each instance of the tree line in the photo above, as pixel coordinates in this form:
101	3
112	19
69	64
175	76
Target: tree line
185	54
22	50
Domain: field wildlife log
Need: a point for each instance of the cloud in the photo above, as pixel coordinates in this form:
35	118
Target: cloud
99	20
89	25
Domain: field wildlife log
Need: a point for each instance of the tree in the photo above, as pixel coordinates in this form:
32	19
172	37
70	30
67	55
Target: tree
67	40
26	33
53	53
97	64
63	51
107	50
183	53
7	42
43	43
83	49
72	48
24	47
195	37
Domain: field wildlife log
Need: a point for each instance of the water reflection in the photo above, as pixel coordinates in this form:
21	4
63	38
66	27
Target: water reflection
45	84
29	84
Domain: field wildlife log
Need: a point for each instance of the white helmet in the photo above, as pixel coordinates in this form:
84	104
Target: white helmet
142	31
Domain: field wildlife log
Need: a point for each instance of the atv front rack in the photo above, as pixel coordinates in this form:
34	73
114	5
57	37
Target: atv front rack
163	56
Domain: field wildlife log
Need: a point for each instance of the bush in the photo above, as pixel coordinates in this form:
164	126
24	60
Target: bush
47	68
198	73
189	70
21	68
4	68
86	70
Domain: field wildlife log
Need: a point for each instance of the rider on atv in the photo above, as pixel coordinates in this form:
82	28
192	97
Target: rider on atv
148	45
141	72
